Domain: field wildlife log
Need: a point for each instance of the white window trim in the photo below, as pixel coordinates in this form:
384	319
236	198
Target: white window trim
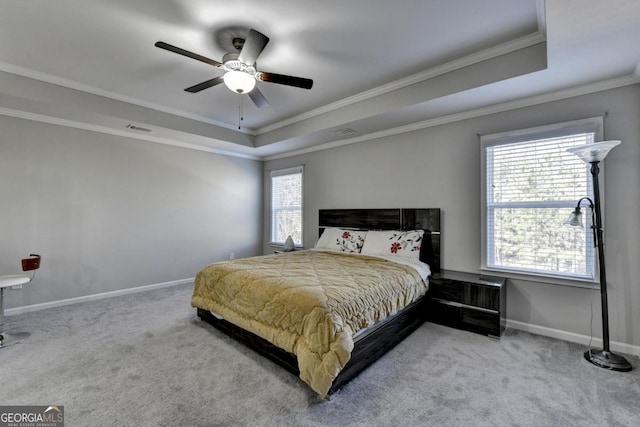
592	124
282	172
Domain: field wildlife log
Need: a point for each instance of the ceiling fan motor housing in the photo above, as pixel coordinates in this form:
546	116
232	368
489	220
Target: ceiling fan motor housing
230	62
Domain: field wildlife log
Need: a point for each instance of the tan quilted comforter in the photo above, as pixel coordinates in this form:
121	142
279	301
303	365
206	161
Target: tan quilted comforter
309	303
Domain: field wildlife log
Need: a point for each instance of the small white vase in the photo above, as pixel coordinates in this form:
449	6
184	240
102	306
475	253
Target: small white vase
288	244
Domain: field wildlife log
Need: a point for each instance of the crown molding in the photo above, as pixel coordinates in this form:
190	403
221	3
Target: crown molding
59	81
478	112
541	11
630	79
117	132
465	61
476	57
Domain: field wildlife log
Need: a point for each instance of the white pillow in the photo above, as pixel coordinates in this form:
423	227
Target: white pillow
338	239
394	243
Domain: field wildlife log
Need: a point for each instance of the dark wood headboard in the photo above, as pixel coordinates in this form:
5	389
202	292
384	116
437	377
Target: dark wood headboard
391	219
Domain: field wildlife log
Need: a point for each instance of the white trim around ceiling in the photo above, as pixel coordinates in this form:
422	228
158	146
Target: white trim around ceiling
474	58
117	132
501	49
631	79
541	11
478	112
59	81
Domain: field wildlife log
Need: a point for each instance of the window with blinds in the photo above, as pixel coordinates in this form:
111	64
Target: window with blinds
531	186
286	205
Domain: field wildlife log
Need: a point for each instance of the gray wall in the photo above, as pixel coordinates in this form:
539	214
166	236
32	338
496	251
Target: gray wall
440	167
109	213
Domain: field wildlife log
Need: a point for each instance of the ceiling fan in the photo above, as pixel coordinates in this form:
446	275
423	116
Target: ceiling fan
240	68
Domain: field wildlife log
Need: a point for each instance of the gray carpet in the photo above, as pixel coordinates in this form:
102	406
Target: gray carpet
145	360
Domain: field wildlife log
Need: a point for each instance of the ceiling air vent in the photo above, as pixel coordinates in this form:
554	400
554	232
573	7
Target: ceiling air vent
344	132
139	128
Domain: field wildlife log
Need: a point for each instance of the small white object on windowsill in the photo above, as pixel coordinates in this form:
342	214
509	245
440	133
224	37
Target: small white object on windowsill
288	244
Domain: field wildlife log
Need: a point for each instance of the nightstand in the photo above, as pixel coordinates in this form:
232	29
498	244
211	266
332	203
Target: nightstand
468	301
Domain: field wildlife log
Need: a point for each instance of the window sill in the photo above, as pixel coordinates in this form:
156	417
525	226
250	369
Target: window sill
280	246
541	278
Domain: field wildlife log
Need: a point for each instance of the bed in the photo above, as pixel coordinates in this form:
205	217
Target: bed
330	329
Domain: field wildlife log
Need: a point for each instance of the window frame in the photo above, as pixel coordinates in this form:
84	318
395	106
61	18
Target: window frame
589	125
280	173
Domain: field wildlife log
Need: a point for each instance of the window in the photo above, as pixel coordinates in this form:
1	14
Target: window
286	205
530	186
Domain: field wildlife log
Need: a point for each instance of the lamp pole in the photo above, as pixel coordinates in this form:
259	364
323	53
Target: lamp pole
595	170
603	358
593	154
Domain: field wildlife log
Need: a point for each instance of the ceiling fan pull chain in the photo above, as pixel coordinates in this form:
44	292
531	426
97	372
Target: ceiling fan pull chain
240	111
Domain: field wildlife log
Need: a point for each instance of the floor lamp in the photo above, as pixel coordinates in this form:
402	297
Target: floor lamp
594	154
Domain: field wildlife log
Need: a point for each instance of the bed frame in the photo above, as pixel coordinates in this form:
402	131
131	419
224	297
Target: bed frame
382	337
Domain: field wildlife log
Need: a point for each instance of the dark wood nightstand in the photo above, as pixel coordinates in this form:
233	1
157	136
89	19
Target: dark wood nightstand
469	301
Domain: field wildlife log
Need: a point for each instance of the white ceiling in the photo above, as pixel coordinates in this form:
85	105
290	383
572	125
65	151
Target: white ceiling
379	67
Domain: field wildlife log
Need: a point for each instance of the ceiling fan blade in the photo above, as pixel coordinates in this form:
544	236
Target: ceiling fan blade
258	98
204	85
253	46
180	51
285	80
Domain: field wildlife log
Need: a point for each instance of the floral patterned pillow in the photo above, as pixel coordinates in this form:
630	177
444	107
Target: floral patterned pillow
394	243
337	239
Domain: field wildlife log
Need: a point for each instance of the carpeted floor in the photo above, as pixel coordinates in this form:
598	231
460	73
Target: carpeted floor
146	360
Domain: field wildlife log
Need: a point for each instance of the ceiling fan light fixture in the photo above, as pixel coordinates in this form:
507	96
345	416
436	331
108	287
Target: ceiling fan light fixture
239	81
240	68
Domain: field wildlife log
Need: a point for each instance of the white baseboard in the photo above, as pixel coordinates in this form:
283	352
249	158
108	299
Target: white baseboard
572	337
60	303
527	327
